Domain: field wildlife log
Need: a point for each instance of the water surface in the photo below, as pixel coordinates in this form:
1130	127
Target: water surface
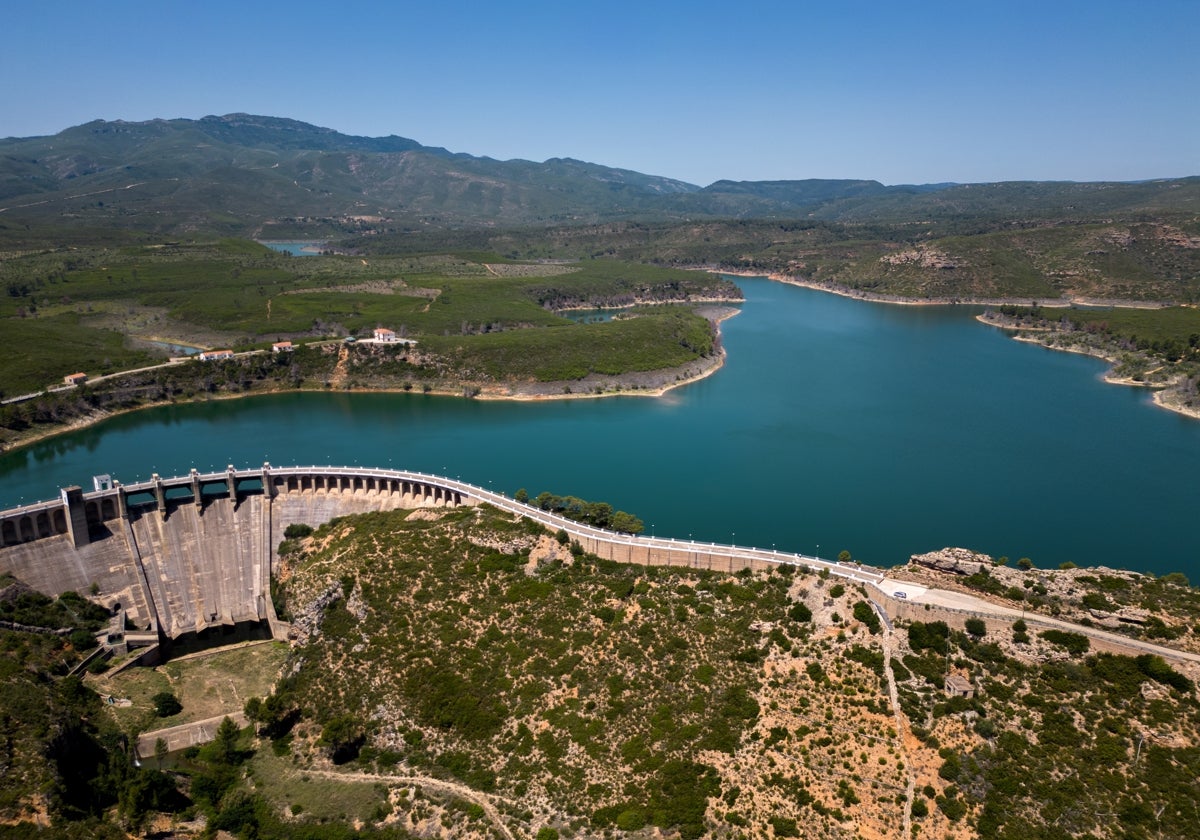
835	423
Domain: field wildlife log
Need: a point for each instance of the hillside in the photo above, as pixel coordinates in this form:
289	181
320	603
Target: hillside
463	673
586	696
258	176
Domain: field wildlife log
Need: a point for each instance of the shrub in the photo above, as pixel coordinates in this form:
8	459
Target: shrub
800	612
784	827
166	704
864	613
1157	669
297	531
1074	643
82	640
932	636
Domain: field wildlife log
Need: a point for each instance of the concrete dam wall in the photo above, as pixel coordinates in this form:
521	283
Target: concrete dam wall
191	554
178	558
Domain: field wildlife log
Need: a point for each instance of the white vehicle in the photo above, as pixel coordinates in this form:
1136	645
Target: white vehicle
899	594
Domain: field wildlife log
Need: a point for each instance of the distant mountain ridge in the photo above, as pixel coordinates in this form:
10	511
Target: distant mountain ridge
238	172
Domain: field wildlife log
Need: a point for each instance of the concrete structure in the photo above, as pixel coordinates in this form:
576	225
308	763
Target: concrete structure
959	686
185	735
213	355
194	554
191	554
282	347
383	334
75	379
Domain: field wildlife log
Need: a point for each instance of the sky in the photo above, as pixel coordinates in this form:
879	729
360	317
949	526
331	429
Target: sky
899	92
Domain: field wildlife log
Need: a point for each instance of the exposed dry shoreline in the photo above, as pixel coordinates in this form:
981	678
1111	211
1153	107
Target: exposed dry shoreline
634	384
1163	396
898	300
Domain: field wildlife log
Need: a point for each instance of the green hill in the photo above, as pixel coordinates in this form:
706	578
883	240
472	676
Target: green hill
240	174
466	670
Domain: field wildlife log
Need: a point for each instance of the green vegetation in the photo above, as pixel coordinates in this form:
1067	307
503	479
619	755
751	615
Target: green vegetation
443	661
476	686
166	704
598	514
1157	347
480	322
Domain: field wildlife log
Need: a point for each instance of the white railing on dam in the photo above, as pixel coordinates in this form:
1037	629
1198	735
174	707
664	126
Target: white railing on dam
26	526
579	529
745	554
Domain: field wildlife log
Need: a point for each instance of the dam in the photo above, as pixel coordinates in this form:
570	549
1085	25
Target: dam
188	561
191	557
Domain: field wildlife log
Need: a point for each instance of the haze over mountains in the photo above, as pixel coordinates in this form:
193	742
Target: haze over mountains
232	174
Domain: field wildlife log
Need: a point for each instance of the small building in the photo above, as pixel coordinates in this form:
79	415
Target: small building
75	379
213	355
282	347
959	686
384	334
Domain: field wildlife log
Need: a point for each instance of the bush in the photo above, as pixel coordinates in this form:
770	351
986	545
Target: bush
976	627
932	636
166	704
82	640
632	819
784	826
800	612
1157	669
864	613
297	531
1074	643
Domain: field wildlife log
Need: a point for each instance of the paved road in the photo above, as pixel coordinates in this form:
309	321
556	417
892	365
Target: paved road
917	594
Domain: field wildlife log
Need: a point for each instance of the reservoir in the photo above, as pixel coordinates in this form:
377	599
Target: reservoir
835	424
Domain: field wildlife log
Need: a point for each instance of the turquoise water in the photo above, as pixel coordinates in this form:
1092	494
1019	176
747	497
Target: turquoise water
296	249
835	423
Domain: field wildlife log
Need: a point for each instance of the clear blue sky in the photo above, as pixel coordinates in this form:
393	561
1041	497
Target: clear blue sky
901	92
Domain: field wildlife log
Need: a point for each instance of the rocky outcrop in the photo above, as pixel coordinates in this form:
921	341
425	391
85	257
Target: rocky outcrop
308	622
959	561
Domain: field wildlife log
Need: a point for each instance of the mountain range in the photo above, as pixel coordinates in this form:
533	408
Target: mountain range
235	174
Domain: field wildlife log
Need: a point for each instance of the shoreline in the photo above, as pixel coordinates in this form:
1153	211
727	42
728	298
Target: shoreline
1160	393
899	300
1160	396
491	393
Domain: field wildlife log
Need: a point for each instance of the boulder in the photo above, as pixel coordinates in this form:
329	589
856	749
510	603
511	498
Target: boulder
959	561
